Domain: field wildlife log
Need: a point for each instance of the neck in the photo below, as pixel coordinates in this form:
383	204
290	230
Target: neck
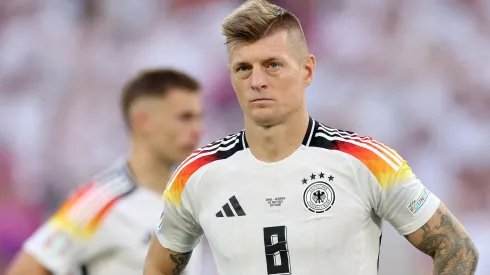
149	171
275	143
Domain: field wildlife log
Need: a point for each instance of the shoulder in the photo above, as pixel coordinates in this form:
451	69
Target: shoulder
380	159
364	148
83	212
192	168
113	183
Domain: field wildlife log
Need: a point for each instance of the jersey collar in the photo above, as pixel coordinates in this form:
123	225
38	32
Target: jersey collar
306	139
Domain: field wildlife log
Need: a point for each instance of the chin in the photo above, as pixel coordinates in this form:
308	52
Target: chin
264	117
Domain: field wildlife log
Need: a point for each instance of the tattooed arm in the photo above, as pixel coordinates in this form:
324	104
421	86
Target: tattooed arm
163	261
447	242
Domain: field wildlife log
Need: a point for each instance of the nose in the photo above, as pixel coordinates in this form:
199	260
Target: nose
258	79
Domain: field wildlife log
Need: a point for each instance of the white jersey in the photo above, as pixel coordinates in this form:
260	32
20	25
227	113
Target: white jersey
319	211
105	227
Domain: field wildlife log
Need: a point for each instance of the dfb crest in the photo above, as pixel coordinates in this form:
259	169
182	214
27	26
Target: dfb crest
319	196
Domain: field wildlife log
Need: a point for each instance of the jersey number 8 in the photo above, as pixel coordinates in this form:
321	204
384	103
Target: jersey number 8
276	250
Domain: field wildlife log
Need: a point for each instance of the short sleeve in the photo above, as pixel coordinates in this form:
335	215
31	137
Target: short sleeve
404	201
178	228
395	193
77	232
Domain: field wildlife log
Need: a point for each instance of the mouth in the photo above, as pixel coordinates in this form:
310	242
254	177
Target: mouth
260	100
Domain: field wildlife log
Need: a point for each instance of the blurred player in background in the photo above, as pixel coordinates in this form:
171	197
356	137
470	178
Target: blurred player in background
106	225
289	195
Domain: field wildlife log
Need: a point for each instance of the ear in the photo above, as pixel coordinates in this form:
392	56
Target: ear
309	69
140	121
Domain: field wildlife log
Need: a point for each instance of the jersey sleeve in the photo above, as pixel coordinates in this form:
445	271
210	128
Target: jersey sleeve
395	193
77	232
179	229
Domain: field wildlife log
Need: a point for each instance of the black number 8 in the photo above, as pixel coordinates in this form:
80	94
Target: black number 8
276	250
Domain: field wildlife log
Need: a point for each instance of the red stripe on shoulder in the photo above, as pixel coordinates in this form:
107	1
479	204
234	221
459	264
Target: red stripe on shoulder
84	211
218	150
384	163
76	196
364	153
181	176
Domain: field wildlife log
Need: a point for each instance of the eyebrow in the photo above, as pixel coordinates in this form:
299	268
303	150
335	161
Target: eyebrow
242	63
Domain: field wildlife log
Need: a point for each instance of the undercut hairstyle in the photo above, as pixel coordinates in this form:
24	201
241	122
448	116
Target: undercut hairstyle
256	19
154	84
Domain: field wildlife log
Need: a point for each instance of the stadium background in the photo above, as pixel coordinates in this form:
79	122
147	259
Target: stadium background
412	74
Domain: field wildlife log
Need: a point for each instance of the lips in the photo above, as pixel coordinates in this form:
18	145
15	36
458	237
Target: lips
257	100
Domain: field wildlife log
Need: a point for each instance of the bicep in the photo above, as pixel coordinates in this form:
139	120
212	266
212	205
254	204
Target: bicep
24	263
163	261
443	237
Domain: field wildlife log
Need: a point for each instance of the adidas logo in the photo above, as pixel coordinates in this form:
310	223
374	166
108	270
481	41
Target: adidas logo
227	209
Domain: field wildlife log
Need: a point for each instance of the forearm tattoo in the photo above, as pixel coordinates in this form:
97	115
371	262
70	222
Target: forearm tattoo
181	260
445	240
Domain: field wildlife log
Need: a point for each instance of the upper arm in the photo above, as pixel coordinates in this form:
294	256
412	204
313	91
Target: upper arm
397	196
73	235
443	237
392	189
25	264
179	229
163	261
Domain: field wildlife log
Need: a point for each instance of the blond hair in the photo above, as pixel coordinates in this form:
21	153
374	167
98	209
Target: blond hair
256	19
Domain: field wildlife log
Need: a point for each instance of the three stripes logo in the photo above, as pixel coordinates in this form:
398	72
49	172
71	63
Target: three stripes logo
227	210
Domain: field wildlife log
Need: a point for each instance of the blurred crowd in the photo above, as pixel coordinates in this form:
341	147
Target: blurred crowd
412	74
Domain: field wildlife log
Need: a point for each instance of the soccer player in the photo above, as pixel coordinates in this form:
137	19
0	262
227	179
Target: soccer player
290	195
105	227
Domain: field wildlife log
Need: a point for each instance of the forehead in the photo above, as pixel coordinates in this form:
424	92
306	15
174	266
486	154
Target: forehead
178	99
273	46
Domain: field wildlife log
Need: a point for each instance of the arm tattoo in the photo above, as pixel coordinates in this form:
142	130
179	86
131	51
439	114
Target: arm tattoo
181	260
445	240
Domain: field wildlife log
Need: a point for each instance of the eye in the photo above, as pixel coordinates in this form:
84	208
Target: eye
187	116
273	65
242	69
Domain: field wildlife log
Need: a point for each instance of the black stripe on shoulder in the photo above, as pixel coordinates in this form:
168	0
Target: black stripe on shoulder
328	137
117	180
231	145
222	148
225	140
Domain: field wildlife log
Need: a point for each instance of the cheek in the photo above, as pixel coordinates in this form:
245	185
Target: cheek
239	86
241	94
170	142
292	90
161	138
162	132
182	134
